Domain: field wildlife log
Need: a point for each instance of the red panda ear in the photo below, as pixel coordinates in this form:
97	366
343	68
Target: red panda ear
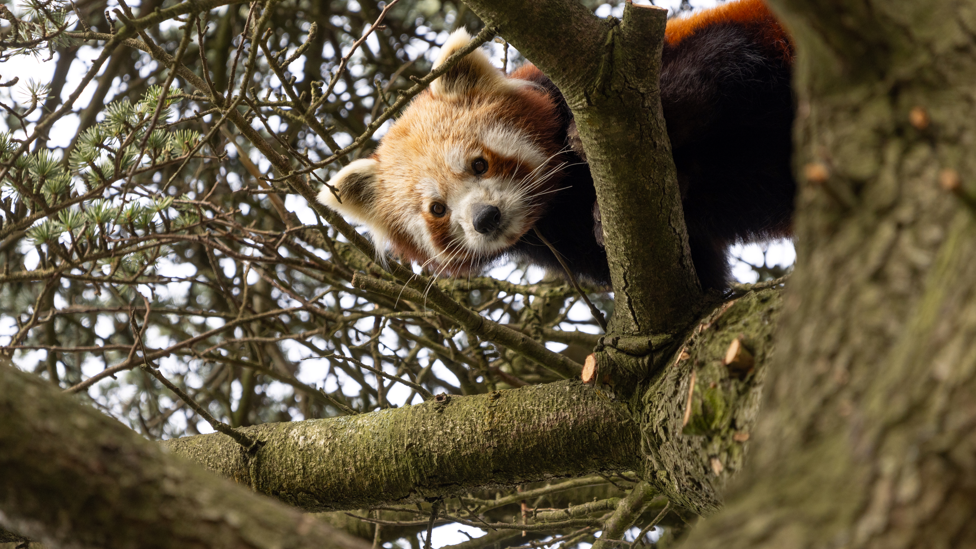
356	185
473	74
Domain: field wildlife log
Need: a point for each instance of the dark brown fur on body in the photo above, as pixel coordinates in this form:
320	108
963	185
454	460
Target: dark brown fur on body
728	105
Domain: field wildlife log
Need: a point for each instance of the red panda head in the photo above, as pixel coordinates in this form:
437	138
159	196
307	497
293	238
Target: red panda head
464	171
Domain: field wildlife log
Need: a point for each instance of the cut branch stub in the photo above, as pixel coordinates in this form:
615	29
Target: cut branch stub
738	359
590	370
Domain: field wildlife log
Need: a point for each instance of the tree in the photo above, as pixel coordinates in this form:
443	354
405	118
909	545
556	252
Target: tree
864	436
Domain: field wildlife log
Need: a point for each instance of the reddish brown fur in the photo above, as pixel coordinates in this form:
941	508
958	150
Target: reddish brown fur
526	108
402	246
753	13
529	109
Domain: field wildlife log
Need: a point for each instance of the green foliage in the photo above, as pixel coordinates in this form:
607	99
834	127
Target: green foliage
120	118
54	187
46	231
41	25
100	212
72	220
7	146
35	91
184	141
43	165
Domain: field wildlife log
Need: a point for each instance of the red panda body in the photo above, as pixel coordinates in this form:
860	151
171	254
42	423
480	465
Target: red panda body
478	161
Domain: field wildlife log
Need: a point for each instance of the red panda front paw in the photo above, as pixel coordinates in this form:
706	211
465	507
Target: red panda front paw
574	141
598	224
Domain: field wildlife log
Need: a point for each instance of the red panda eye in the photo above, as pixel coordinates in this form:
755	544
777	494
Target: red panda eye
438	209
479	166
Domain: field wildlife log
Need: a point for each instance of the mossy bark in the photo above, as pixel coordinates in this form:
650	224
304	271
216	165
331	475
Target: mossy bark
866	440
436	449
73	477
698	413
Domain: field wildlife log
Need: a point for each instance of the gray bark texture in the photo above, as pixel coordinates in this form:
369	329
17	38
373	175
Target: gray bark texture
443	447
73	477
867	435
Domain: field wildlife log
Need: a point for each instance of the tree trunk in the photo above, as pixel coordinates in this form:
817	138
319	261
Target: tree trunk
867	434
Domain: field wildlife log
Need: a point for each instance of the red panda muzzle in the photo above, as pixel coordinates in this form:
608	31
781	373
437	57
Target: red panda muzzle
487	218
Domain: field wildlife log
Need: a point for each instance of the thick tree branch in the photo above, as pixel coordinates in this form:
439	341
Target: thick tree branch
436	449
74	477
450	446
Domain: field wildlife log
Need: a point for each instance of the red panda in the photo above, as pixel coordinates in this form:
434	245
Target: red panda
480	159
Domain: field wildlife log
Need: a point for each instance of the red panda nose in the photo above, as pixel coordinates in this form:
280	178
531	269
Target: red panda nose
487	218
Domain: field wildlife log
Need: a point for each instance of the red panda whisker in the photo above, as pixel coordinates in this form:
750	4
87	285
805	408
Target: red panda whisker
552	191
437	255
541	166
402	288
447	263
423	266
561	166
434	276
553	173
540	180
547	161
543	179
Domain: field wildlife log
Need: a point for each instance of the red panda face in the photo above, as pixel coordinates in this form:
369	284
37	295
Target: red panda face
462	174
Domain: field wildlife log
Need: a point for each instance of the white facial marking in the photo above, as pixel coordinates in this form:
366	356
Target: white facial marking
414	223
428	188
513	143
466	193
455	159
501	193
